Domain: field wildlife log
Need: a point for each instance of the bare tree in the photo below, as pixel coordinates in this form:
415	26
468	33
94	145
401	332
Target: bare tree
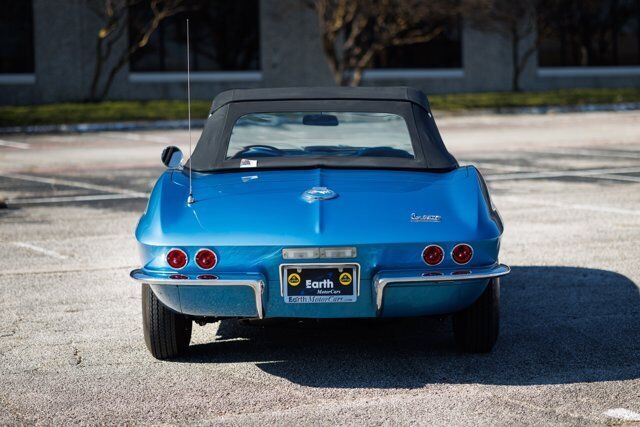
113	15
354	32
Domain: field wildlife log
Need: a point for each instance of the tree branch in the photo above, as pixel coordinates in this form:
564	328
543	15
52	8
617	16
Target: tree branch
354	32
113	14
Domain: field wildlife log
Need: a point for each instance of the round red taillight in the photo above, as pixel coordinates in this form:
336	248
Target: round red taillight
462	253
206	259
177	258
433	254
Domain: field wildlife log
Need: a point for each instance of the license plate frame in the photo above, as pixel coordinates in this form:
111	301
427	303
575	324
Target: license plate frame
320	291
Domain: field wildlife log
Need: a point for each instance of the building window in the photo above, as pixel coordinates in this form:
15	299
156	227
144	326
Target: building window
589	33
16	37
225	36
444	51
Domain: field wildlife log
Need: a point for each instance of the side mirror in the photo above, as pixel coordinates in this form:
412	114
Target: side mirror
172	157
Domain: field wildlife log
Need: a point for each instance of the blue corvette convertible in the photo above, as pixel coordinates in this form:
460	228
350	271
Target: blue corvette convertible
318	203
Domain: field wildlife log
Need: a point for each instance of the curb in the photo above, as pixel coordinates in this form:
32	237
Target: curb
548	109
199	123
105	127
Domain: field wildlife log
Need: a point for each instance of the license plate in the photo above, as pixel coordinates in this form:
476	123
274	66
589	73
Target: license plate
319	283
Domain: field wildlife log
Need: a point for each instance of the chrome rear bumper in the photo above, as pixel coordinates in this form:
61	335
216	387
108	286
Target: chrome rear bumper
383	278
257	281
254	281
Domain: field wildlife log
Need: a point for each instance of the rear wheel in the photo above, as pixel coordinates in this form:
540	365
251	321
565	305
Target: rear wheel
476	327
166	333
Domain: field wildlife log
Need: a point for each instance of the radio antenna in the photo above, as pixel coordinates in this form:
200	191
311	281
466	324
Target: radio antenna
190	199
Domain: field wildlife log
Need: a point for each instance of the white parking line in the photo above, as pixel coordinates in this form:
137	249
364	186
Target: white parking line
500	166
38	249
620	178
617	154
593	173
15	144
137	137
70	183
49	270
622	414
61	199
577	206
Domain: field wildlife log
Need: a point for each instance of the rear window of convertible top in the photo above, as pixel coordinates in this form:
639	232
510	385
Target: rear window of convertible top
289	134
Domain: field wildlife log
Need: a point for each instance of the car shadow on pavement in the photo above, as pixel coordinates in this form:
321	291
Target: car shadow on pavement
559	325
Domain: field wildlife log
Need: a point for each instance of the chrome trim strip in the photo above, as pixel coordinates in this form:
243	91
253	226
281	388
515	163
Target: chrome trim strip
256	284
382	279
319	265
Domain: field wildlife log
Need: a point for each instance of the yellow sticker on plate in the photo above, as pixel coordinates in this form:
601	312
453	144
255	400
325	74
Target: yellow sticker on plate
345	279
294	279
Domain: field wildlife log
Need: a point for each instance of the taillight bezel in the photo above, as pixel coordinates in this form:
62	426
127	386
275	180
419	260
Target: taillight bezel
186	257
430	246
453	258
215	255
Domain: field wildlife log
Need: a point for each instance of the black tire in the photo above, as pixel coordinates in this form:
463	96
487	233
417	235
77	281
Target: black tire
476	327
166	333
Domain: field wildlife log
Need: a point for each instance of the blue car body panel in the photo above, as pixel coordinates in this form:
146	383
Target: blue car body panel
249	217
379	194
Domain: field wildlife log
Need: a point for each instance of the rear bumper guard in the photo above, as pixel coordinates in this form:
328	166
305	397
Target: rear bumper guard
383	278
254	281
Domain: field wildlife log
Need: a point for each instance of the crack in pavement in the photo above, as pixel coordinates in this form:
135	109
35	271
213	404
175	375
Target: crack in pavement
77	356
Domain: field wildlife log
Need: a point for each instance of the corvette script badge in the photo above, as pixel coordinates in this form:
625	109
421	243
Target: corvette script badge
425	218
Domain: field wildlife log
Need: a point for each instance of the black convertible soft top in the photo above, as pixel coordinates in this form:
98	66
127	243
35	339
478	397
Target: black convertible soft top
322	93
411	104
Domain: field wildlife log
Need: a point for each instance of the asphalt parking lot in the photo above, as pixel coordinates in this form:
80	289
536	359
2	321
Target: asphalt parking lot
71	346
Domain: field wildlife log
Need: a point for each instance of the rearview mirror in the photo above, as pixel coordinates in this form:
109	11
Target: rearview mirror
319	120
172	157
